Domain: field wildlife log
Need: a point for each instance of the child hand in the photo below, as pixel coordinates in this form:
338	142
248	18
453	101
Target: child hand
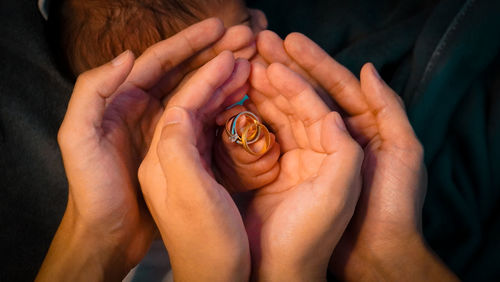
294	223
241	170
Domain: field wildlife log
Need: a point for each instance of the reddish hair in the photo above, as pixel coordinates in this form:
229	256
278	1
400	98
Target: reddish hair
92	32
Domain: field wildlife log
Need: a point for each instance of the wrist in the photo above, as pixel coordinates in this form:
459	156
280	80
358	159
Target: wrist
280	270
397	260
77	254
215	266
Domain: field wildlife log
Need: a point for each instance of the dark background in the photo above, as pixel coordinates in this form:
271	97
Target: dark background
440	56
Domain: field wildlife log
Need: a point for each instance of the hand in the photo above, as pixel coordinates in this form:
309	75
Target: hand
107	129
199	222
387	224
239	170
295	222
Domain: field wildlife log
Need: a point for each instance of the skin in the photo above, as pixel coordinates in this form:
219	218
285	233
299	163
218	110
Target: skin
200	223
196	216
105	134
240	170
384	239
318	185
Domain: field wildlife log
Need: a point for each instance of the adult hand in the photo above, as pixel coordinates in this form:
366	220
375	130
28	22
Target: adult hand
295	222
385	231
199	222
108	127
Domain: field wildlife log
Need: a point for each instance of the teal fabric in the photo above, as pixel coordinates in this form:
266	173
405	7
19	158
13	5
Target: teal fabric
442	58
453	112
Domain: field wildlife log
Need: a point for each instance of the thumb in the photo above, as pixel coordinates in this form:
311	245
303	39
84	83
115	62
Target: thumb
393	123
179	157
93	87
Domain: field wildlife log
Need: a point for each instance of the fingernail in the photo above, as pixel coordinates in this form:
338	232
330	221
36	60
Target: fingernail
120	59
173	115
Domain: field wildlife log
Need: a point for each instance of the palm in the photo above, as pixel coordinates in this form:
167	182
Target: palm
288	204
393	173
385	158
109	161
314	195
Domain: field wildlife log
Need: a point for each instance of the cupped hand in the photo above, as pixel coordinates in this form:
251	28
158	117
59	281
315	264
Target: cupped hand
105	134
387	222
295	222
199	222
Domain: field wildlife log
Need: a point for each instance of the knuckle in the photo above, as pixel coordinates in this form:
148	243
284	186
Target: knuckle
83	78
61	136
165	63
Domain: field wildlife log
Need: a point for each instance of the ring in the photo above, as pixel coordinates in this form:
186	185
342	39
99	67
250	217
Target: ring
267	139
247	133
232	131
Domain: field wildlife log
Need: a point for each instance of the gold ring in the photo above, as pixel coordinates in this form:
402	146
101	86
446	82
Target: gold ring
232	130
260	128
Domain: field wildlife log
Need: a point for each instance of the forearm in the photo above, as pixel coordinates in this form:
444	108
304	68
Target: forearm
409	261
417	263
77	255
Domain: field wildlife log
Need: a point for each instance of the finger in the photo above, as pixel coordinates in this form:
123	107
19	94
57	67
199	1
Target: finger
235	84
252	175
198	89
268	99
393	123
340	83
180	158
275	118
152	180
258	59
339	174
249	182
334	134
165	55
271	48
305	104
239	155
223	117
93	88
259	80
236	38
237	96
247	52
204	83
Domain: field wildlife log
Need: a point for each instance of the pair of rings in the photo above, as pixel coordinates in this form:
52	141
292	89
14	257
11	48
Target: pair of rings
246	129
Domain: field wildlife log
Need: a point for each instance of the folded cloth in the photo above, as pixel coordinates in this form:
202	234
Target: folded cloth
442	57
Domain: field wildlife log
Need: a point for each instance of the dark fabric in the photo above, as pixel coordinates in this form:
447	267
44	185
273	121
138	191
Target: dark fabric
33	98
441	56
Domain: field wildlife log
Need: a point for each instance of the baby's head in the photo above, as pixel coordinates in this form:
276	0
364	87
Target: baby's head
92	32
